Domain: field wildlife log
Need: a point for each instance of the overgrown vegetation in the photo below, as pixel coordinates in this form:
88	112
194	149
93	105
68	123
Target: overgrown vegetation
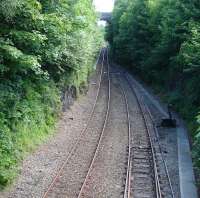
160	40
44	46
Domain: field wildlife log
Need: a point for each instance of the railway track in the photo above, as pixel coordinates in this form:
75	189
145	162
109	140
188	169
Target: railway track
56	188
147	173
85	183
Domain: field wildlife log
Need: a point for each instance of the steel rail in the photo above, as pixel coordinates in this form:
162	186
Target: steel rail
74	147
156	176
127	188
81	193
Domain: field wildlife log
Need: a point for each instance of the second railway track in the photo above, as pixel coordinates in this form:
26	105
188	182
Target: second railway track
149	173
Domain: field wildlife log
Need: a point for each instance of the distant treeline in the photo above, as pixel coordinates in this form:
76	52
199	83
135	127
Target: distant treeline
44	46
160	41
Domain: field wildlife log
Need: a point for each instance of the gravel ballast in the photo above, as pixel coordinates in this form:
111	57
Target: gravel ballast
107	177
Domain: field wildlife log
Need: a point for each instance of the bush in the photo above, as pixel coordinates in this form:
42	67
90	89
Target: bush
44	47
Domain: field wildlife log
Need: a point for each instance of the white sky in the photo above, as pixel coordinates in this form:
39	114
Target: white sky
104	5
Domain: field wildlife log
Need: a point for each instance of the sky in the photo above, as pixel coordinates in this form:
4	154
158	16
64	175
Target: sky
104	5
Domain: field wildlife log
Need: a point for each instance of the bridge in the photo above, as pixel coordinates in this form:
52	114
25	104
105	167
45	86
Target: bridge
105	16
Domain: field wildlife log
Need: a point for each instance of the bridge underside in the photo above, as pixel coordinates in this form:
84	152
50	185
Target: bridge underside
106	16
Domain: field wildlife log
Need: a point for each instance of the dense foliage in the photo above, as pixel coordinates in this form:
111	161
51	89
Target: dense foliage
160	40
45	45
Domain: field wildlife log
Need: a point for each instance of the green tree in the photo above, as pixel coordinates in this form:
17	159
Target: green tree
160	40
44	47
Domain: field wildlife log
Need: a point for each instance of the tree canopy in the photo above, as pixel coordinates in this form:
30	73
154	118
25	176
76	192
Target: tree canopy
160	41
45	45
